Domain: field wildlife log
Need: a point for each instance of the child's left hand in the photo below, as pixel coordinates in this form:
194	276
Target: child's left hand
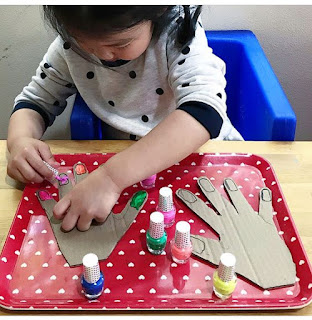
92	198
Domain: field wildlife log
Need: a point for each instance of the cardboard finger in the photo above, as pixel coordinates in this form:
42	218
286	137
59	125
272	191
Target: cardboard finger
207	249
239	201
213	195
130	211
47	203
64	186
199	207
265	205
80	171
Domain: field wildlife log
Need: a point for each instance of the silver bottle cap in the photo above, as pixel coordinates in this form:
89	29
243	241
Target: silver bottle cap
157	225
91	268
182	237
226	267
165	203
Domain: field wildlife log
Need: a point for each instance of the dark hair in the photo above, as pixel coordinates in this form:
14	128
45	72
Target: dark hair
100	20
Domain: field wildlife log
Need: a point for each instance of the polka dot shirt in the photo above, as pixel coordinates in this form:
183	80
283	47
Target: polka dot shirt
132	97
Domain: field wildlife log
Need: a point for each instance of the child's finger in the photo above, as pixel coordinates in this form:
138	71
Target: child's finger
69	221
47	155
17	175
61	208
84	223
29	173
37	162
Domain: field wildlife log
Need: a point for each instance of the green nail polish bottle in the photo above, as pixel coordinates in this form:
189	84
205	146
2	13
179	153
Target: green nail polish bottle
156	236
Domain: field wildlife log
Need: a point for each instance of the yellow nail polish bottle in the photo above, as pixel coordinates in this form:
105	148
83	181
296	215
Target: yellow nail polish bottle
224	278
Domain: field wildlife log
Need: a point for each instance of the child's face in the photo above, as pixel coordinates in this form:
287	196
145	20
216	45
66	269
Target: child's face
124	45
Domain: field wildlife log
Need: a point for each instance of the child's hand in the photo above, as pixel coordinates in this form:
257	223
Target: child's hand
25	161
92	198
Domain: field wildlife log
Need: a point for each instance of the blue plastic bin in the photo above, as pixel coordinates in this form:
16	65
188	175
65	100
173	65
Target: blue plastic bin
257	104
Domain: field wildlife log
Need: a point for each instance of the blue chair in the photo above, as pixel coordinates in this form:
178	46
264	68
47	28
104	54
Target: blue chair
257	104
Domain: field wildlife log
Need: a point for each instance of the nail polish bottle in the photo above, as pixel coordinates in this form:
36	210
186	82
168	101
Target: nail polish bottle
181	245
224	278
156	236
149	182
92	280
166	206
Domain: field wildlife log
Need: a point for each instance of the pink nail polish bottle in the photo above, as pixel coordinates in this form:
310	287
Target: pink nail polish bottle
181	245
166	206
149	182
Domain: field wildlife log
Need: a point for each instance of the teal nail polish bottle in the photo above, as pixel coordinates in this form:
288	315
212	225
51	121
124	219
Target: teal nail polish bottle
156	236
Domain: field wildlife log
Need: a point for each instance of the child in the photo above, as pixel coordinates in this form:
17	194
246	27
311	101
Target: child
147	72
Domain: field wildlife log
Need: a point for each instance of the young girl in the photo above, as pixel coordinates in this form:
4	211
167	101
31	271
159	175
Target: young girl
147	72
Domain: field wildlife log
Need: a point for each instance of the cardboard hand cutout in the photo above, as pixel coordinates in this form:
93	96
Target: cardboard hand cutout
262	256
99	239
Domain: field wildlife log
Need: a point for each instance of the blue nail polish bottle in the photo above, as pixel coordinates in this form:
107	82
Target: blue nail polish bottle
92	280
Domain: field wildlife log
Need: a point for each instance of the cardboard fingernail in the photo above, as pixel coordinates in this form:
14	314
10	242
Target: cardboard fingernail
63	179
80	169
266	195
230	184
206	185
44	195
200	245
186	196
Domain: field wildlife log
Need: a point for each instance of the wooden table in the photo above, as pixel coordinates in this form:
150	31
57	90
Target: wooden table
292	162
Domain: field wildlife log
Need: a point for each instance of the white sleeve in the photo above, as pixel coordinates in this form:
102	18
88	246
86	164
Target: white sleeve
50	86
197	75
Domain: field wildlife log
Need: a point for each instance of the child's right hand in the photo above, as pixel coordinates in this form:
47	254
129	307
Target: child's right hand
25	161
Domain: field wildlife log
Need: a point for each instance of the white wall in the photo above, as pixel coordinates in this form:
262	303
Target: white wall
23	42
284	32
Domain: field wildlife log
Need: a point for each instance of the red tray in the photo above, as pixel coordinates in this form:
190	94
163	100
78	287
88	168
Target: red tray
35	275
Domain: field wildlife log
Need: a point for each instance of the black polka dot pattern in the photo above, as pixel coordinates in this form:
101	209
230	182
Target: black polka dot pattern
159	91
132	74
46	65
66	45
144	118
111	103
200	24
132	137
42	75
219	95
185	85
90	75
56	103
181	62
186	50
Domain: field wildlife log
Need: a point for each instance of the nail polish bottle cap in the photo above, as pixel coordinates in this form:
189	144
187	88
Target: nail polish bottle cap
165	203
55	172
226	267
157	225
91	268
182	237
